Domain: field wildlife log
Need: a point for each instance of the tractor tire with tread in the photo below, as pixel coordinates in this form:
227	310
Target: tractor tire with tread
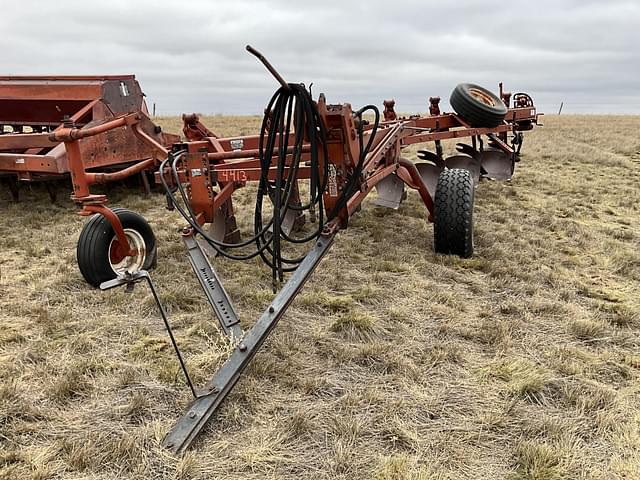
94	244
477	105
453	213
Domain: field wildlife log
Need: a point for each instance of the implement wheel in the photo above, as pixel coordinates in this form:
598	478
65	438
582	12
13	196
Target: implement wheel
96	253
453	213
477	105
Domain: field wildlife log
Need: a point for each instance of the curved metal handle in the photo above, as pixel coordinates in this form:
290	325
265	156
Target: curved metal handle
266	63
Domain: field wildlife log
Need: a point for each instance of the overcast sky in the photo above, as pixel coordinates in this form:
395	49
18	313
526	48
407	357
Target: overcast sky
189	55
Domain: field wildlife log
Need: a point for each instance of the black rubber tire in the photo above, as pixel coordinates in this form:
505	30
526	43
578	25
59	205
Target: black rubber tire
473	110
92	252
453	213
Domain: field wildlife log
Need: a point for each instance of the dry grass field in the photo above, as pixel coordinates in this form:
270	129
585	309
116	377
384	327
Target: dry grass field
522	362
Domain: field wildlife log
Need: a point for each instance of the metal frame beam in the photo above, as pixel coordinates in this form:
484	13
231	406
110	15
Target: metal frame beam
212	286
200	411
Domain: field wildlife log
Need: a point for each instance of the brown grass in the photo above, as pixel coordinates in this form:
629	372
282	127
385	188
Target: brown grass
394	363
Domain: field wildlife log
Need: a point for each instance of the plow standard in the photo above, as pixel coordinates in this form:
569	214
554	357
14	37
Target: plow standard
314	163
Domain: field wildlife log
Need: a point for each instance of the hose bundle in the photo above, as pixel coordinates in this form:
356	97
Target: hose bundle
291	112
288	106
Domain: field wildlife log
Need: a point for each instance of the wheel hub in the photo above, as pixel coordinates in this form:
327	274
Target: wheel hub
127	263
482	97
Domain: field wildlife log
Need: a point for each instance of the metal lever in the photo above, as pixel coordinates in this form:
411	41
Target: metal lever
270	67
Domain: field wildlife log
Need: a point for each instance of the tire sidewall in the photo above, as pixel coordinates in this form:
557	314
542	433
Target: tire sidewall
95	241
499	108
475	112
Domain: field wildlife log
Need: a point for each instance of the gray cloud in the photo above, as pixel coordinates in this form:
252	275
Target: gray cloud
190	56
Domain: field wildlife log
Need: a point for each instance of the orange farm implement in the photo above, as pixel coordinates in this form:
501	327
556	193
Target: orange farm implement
313	162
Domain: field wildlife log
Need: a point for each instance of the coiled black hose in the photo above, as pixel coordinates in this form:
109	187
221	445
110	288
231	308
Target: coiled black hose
292	106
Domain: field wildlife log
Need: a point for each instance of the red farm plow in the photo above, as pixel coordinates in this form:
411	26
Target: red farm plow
32	108
314	163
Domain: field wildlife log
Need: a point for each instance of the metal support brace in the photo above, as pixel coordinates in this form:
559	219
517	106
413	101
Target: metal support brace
129	280
216	294
187	428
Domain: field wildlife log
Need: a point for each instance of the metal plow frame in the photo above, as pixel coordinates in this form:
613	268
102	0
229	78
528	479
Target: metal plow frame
209	170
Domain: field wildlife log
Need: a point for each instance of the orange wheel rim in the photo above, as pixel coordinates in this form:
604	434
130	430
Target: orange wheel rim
483	97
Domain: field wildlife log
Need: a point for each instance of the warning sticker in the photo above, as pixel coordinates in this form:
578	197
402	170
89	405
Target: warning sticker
333	182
